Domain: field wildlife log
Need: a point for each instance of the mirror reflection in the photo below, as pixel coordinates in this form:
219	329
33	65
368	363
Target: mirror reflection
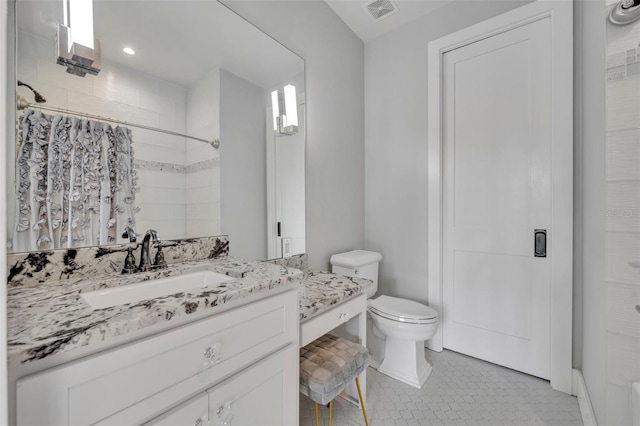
166	122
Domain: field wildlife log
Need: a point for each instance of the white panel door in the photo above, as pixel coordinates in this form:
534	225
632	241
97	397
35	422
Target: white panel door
496	193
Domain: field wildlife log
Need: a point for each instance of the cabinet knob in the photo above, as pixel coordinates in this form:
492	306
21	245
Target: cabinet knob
344	317
224	414
202	421
212	354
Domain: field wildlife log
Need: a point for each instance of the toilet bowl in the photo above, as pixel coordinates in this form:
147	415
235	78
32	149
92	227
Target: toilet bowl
396	328
406	325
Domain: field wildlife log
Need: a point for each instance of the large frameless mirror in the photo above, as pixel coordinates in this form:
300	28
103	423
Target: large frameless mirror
176	131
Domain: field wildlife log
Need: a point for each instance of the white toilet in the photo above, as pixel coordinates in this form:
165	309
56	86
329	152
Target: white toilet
403	324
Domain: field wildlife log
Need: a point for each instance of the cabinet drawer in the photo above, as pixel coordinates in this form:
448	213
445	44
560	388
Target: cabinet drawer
194	412
327	321
133	383
266	394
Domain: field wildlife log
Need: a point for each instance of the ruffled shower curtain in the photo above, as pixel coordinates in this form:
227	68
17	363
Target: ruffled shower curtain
75	183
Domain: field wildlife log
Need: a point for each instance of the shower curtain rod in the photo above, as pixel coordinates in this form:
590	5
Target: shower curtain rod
214	143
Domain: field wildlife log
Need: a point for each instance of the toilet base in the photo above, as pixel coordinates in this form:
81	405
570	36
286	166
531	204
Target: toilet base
404	360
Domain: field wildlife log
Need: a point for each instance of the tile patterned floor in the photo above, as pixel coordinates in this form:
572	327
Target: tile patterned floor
461	391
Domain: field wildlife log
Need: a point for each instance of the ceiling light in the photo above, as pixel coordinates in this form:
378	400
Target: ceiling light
129	51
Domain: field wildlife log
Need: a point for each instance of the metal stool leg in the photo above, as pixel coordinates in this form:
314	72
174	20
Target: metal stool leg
317	416
330	411
364	413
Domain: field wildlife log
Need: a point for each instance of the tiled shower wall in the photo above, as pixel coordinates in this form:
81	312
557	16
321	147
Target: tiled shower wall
622	217
165	163
203	162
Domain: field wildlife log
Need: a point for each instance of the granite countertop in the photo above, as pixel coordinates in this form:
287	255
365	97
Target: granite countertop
321	291
52	318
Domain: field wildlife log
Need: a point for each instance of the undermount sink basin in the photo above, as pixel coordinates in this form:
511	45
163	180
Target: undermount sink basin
191	282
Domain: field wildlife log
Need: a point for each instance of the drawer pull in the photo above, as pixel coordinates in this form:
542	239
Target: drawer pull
224	414
202	421
344	317
212	354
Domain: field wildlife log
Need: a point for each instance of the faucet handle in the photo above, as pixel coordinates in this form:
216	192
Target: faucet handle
129	262
130	234
160	262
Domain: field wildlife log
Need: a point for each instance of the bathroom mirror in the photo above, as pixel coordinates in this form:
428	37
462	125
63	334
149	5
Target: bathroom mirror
199	70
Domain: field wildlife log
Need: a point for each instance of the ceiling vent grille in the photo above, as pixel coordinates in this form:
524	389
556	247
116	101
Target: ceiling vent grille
378	10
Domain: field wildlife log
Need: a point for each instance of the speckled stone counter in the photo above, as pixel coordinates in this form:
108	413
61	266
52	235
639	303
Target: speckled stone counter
320	291
52	318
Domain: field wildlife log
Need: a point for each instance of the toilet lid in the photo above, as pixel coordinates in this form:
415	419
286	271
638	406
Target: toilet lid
402	309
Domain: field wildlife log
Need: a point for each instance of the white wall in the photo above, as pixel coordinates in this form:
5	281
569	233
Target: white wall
589	119
396	143
243	173
622	218
334	75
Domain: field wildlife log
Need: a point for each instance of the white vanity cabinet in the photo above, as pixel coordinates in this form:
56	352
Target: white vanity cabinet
194	412
245	359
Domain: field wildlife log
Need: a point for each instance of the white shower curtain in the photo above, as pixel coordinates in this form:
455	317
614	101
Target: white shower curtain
75	183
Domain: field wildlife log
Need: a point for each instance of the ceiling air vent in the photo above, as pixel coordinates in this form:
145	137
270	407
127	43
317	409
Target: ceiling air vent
378	10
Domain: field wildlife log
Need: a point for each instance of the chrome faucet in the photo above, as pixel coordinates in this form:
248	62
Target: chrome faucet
145	257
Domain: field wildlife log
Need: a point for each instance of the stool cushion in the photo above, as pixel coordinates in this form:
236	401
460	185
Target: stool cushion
327	364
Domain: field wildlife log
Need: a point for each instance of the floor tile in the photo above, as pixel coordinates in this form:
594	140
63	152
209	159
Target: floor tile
461	391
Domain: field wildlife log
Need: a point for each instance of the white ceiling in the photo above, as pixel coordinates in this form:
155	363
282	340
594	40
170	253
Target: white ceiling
356	17
175	40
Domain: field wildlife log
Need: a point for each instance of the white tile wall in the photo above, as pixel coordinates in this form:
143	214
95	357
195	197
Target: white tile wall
149	151
623	104
617	403
622	248
203	187
203	194
622	216
622	317
623	206
623	362
156	179
623	155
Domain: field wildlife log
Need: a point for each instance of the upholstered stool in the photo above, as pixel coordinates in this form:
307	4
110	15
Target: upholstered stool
326	366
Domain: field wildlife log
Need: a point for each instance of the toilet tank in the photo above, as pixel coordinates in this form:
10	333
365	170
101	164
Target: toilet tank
357	263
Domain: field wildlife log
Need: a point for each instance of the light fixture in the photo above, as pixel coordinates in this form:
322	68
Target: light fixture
77	48
129	51
285	111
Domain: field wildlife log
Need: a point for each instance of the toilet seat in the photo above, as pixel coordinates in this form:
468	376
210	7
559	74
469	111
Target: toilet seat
402	310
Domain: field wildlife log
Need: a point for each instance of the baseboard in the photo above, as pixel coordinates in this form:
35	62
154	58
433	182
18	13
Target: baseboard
373	363
580	390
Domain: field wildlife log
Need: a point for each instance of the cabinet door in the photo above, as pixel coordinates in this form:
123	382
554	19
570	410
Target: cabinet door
263	395
133	383
194	412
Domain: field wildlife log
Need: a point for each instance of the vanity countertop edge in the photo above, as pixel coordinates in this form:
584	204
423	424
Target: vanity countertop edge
52	319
